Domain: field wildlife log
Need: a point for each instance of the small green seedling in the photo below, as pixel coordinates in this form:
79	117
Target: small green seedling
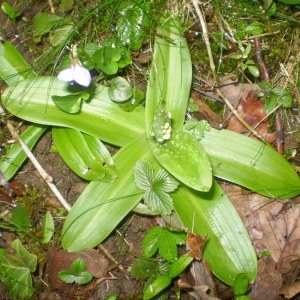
240	287
12	13
274	96
160	272
77	273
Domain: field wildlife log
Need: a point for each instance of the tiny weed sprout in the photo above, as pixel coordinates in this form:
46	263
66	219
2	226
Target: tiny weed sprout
76	72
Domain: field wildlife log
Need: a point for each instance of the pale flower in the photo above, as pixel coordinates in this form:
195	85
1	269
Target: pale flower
77	73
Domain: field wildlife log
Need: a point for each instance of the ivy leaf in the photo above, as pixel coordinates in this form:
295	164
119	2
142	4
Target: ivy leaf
156	188
161	240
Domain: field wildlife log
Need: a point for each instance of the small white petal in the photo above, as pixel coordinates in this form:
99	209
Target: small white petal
67	74
82	75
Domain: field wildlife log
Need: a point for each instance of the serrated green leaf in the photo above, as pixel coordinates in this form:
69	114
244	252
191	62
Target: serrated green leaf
83	278
144	268
161	240
120	89
159	202
143	175
66	276
132	23
185	159
47	228
100	117
78	266
156	188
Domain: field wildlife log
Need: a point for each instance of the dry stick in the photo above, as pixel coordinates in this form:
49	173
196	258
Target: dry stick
48	180
213	69
39	168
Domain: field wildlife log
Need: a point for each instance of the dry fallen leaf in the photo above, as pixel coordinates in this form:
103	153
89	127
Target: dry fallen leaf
195	243
250	109
59	260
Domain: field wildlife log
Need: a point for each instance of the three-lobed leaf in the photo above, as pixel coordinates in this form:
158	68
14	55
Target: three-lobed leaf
165	242
156	188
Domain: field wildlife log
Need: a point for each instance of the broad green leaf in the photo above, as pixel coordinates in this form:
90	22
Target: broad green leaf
120	89
106	59
20	218
90	159
228	249
99	117
249	163
13	66
44	22
47	228
170	76
15	156
184	157
102	206
70	104
293	2
158	285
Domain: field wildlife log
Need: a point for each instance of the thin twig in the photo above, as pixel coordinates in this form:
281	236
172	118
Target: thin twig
213	69
205	38
39	168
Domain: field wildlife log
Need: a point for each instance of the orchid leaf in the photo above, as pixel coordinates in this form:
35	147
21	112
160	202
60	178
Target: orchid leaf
249	163
15	156
184	157
102	206
170	76
228	243
90	159
13	66
99	117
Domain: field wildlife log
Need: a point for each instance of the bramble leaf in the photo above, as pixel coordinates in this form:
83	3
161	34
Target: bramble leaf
156	188
164	241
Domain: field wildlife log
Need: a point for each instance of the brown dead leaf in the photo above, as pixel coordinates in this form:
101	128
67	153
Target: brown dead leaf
206	113
195	243
59	260
290	290
250	109
274	227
